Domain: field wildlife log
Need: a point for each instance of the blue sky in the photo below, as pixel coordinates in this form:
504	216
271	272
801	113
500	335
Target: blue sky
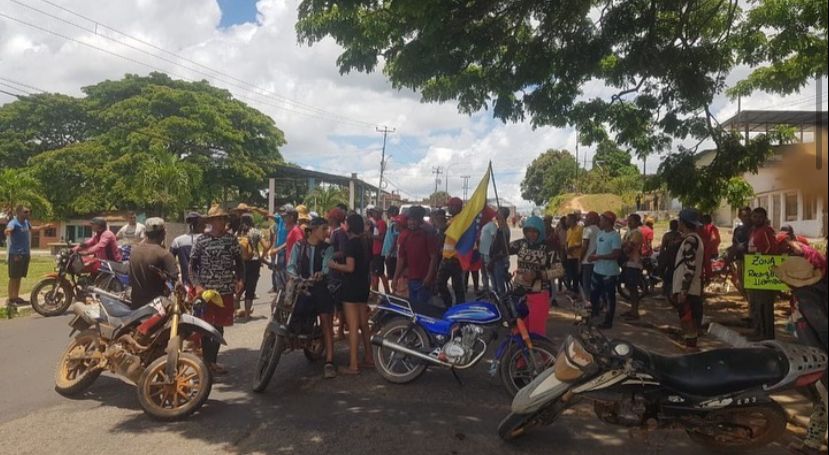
237	12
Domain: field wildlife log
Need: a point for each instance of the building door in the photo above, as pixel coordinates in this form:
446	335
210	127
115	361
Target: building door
776	210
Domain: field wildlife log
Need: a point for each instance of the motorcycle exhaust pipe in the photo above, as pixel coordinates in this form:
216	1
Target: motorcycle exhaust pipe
378	340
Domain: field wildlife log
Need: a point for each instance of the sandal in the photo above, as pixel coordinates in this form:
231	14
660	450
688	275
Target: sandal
217	370
329	371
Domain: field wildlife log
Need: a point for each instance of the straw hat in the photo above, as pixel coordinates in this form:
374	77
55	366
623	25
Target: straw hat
303	213
216	211
243	208
797	272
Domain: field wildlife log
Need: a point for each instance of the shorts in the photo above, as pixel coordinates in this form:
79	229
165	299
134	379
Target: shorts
18	266
319	302
391	265
378	265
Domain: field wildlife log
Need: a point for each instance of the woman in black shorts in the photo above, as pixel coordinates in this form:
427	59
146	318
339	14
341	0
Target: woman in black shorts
355	291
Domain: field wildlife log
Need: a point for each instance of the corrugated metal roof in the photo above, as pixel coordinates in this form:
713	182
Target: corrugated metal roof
762	121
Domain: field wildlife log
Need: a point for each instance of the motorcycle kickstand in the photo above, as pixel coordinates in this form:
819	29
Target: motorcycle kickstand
457	378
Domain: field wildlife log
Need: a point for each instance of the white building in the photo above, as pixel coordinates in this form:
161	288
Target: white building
792	185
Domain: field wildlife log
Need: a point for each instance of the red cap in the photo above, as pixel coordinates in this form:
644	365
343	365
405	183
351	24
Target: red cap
455	201
592	216
337	214
610	215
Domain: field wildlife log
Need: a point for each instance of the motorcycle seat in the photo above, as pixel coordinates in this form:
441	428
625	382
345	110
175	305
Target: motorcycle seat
114	307
721	371
122	268
429	310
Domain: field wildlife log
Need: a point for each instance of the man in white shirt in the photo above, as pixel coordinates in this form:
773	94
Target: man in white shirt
132	233
589	236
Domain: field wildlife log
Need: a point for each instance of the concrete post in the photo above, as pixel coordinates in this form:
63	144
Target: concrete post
271	195
351	191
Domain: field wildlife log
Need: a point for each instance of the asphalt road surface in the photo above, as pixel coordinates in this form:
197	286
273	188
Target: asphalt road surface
299	413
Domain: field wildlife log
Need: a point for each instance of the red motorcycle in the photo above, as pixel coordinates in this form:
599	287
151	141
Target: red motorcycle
73	274
725	278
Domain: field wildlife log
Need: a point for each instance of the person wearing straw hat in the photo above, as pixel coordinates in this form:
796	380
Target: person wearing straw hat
216	264
809	287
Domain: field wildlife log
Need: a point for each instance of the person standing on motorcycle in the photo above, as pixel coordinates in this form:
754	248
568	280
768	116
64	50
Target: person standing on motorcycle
809	287
311	258
687	279
534	272
132	233
216	264
145	283
605	268
632	268
103	244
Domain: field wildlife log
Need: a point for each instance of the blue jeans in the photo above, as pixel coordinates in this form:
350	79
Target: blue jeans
500	267
418	293
604	291
587	281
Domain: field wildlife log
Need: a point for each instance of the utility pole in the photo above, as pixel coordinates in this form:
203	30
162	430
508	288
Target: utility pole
385	130
465	186
437	171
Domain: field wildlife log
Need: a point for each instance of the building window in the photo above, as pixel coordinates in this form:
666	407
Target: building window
762	201
50	232
791	207
809	207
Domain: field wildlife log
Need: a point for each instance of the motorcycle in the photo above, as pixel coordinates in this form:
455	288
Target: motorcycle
409	340
721	397
142	346
650	278
287	331
52	295
725	278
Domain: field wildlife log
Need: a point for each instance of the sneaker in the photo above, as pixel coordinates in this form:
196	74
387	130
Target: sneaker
329	371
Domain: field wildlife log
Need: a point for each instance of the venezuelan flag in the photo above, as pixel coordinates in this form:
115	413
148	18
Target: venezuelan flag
463	232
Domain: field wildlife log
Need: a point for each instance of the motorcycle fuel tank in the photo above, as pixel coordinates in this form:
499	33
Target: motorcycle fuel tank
474	312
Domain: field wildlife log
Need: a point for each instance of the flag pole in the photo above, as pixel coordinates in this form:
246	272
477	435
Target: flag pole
494	187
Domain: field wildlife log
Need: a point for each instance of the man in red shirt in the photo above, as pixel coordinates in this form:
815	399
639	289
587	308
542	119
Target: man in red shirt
761	302
711	242
295	233
378	262
417	255
103	244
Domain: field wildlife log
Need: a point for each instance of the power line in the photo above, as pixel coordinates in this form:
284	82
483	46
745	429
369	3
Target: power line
247	86
385	130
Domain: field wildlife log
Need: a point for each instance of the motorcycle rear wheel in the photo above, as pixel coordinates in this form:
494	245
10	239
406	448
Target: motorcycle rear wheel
78	368
269	354
765	423
183	396
109	283
394	366
513	377
51	297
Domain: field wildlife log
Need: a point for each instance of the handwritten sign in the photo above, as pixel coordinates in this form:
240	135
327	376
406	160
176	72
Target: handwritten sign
758	272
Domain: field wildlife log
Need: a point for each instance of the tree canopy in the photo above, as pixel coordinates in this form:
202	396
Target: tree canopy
549	175
142	142
663	62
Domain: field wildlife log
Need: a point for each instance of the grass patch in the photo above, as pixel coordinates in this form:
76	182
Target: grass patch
39	266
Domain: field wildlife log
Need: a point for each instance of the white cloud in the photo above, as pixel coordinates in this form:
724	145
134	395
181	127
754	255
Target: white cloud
267	54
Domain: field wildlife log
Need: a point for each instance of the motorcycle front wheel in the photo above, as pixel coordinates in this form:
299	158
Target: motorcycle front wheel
517	425
178	397
516	368
741	429
269	354
51	297
78	365
395	366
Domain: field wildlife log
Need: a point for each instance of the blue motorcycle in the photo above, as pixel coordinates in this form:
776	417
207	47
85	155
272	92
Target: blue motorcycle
409	340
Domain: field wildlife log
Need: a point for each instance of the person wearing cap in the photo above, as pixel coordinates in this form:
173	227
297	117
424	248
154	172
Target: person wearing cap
688	277
145	283
606	269
761	302
216	264
250	241
102	244
182	246
647	236
132	233
589	241
454	206
418	256
809	287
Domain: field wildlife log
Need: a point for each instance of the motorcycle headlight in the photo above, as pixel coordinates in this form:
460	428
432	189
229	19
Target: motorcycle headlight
571	364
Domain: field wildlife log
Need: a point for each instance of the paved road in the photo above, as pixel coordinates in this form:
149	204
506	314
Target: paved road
299	413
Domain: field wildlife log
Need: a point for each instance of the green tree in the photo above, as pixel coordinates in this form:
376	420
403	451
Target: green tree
324	198
664	62
738	192
552	173
613	160
19	187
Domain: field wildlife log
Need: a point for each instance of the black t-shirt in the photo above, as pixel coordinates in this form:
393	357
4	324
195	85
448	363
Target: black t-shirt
356	284
146	283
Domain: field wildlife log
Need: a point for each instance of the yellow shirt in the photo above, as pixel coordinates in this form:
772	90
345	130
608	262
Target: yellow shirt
574	239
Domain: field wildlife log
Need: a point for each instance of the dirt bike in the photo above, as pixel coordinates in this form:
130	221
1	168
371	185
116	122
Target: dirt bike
143	346
287	331
721	397
74	273
650	279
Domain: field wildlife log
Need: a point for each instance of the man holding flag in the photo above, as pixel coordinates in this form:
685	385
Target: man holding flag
463	232
450	265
